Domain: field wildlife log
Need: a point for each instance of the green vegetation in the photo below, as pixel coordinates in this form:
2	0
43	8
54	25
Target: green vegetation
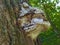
51	36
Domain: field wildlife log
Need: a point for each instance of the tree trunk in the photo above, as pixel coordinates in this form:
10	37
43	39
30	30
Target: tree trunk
9	31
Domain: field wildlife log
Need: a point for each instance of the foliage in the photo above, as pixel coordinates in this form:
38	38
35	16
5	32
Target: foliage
50	37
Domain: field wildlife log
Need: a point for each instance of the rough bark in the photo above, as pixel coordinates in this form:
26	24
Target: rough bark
9	31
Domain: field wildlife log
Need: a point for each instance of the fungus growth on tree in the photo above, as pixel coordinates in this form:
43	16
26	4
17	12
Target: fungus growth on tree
32	20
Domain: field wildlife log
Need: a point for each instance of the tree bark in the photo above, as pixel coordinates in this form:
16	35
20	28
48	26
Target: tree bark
9	31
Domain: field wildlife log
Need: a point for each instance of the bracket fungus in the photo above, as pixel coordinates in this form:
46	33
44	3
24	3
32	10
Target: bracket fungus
32	20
